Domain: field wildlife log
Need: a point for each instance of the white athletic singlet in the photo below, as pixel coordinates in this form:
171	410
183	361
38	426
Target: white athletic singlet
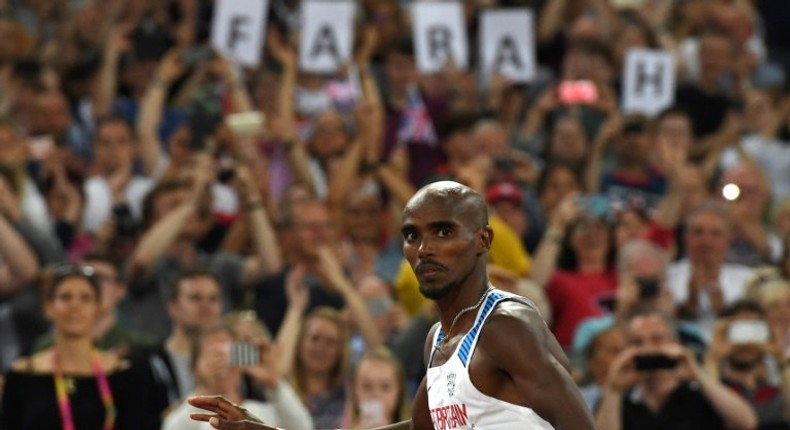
457	404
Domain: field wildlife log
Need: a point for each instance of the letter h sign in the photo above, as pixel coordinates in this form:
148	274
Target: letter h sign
649	81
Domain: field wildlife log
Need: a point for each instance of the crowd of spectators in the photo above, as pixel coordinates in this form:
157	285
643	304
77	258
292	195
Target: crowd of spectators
656	247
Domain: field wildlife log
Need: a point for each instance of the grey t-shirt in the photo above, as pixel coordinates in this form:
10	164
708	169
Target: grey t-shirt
146	306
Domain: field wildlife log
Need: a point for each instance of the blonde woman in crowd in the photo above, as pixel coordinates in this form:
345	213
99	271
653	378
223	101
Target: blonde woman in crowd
224	364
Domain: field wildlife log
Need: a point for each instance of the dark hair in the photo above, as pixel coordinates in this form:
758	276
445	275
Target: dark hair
402	46
593	48
568	260
175	288
114	119
163	187
672	111
456	123
53	277
742	306
632	18
547	171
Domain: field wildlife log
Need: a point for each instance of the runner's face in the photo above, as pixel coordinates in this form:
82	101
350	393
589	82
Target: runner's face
442	244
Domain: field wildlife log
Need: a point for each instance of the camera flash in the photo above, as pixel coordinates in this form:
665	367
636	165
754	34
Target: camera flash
731	191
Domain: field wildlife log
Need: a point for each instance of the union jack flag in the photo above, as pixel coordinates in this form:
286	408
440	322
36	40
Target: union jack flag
416	125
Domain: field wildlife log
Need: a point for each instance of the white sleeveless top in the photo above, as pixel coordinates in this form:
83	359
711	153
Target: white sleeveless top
455	403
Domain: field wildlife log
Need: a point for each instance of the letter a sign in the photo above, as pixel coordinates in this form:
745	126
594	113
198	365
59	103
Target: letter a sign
649	81
238	29
327	35
507	44
439	33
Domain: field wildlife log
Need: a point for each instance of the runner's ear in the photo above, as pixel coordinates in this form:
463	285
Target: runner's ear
486	237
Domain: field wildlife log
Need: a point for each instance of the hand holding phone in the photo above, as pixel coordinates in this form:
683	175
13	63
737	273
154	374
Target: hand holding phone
244	354
372	413
741	331
582	92
654	361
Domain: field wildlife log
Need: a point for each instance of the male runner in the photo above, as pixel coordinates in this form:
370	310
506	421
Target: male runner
492	362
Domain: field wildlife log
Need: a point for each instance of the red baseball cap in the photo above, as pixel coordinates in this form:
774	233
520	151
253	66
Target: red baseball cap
504	191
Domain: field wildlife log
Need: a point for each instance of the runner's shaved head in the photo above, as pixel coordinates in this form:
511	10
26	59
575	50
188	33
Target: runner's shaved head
462	202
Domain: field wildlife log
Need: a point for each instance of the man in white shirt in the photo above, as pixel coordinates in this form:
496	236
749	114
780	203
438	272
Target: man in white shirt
702	284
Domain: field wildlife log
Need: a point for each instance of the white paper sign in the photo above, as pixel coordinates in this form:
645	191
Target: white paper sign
327	38
649	81
239	28
507	44
439	32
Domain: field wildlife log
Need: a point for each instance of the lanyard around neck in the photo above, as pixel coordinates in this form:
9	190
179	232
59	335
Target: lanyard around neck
62	395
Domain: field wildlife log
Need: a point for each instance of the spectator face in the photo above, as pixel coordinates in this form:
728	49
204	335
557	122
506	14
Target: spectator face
311	228
363	217
649	333
329	138
604	349
400	71
736	21
648	266
114	147
630	225
492	139
52	115
560	181
754	196
674	131
377	380
74	307
197	305
112	289
760	111
590	239
568	142
715	57
460	147
320	346
634	148
707	239
212	364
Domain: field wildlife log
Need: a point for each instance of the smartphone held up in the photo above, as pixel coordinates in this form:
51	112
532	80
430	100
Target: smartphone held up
582	92
244	354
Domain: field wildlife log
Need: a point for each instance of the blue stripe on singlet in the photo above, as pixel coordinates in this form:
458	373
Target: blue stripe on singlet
466	343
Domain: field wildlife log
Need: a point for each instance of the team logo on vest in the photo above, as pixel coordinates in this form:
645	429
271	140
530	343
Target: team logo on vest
451	384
